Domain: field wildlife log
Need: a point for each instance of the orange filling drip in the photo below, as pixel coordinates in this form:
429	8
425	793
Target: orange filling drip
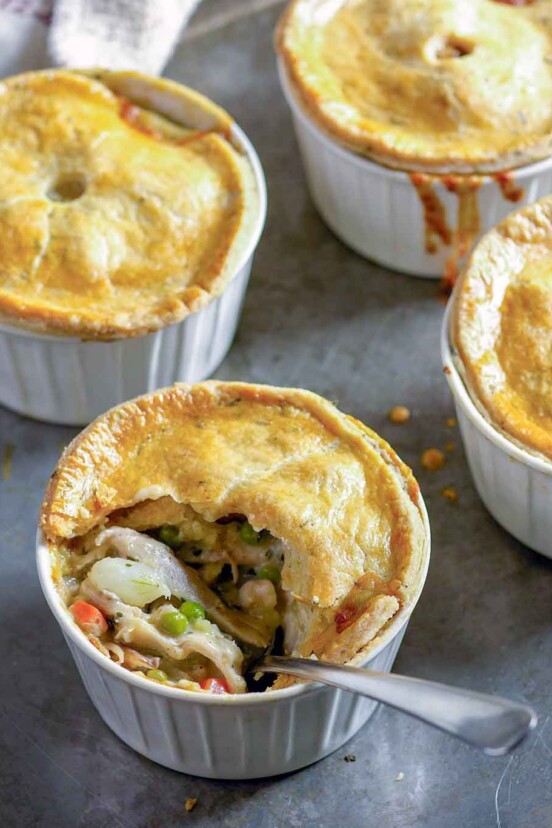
508	187
435	218
515	2
468	224
132	115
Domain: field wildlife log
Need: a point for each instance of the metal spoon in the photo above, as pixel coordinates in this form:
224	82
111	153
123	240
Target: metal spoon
491	723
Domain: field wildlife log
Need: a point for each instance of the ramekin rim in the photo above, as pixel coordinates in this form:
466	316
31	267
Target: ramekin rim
61	615
518	173
253	159
461	394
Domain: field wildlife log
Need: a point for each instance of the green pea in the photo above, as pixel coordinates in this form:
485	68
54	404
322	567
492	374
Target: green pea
174	623
170	535
192	610
157	675
248	534
269	573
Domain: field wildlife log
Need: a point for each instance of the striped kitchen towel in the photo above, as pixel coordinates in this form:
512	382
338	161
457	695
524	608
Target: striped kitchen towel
117	34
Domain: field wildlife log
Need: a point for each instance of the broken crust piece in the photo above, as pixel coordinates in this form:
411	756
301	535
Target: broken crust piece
347	511
343	648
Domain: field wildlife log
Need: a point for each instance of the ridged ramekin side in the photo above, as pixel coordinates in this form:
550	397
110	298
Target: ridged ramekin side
64	380
220	741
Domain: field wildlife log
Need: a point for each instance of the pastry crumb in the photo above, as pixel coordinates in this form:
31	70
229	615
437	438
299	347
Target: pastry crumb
399	414
449	447
399	777
7	461
450	493
190	804
350	757
452	422
315	599
433	459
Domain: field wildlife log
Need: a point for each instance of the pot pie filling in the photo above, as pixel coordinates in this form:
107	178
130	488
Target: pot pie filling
502	327
116	217
187	602
197	528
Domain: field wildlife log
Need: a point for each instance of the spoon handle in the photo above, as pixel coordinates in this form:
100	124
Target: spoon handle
491	723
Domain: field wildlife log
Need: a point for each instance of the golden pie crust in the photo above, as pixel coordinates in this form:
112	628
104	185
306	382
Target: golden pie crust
502	327
116	216
435	85
348	511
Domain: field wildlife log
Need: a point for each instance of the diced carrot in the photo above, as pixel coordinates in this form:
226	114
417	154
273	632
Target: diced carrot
89	618
214	685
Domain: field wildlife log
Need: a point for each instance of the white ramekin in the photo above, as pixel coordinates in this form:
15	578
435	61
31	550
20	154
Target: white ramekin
223	737
376	210
514	485
61	379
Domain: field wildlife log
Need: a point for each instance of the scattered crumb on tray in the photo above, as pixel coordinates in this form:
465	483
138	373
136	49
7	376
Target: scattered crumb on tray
449	447
350	757
450	493
399	414
433	459
7	461
452	422
190	804
399	777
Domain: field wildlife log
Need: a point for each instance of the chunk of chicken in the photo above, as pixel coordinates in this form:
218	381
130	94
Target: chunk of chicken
133	626
134	660
259	593
185	583
219	650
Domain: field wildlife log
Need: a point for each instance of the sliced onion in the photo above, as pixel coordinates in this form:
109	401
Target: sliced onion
134	583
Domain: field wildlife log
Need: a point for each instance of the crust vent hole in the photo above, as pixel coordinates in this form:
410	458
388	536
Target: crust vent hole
450	47
67	188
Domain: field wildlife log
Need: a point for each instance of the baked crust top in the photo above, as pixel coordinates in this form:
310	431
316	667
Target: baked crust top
443	85
124	205
502	326
347	510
